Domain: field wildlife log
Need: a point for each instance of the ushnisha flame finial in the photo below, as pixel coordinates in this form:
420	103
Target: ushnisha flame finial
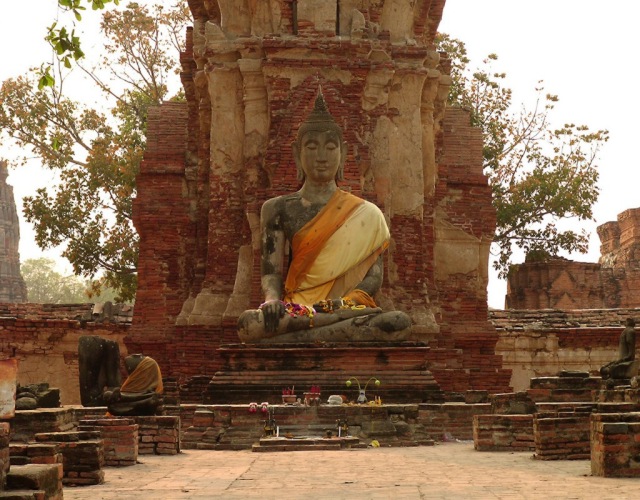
319	119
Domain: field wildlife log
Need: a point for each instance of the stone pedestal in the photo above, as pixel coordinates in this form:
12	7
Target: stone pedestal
562	435
158	435
503	433
4	454
259	373
82	456
615	444
120	437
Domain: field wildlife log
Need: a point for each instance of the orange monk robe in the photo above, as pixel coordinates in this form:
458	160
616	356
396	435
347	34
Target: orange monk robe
333	252
146	377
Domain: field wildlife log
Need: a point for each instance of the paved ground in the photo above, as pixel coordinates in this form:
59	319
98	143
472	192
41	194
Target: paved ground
446	471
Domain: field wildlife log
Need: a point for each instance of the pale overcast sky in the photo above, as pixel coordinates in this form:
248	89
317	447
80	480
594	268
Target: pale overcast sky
584	50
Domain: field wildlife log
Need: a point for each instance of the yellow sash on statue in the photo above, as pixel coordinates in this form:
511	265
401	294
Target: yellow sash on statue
333	252
144	378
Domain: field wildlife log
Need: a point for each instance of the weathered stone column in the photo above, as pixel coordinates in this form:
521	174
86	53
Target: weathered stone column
226	210
256	130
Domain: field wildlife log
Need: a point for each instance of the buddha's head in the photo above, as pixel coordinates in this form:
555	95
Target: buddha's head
318	150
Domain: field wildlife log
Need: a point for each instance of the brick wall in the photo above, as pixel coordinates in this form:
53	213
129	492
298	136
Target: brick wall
535	343
161	214
449	421
44	340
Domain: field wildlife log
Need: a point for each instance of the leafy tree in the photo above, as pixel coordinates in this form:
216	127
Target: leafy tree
46	286
540	175
96	155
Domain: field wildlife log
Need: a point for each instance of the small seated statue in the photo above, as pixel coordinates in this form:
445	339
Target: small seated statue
623	367
336	241
141	393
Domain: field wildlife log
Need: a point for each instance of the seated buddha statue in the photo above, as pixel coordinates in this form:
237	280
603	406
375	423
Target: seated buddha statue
625	366
141	393
336	243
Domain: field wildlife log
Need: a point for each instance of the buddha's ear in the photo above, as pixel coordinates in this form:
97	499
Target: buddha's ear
343	157
295	149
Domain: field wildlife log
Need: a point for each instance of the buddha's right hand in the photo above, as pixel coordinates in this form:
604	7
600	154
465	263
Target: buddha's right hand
272	311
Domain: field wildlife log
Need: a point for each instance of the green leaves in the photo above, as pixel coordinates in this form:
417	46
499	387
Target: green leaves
46	79
541	177
67	45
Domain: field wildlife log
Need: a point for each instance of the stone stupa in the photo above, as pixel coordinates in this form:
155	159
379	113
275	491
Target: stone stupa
12	286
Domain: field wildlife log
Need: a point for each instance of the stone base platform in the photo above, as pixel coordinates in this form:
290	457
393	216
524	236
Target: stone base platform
260	372
234	427
563	388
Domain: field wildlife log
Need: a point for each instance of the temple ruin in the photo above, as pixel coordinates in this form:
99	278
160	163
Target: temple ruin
523	379
213	160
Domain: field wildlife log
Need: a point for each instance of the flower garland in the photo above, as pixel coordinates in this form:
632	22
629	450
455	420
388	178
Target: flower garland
324	306
330	305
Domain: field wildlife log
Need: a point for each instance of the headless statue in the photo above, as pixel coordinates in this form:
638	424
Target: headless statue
141	393
336	241
626	354
99	367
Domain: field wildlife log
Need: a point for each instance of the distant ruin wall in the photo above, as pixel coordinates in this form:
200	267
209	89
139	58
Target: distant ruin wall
557	283
542	343
44	340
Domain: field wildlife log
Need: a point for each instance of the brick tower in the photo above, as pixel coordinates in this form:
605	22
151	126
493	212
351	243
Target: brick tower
251	73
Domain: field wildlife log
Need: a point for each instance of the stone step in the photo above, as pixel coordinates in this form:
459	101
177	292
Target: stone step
295	447
240	386
23	495
305	443
29	479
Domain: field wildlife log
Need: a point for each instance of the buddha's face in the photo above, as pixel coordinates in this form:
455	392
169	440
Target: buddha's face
320	155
